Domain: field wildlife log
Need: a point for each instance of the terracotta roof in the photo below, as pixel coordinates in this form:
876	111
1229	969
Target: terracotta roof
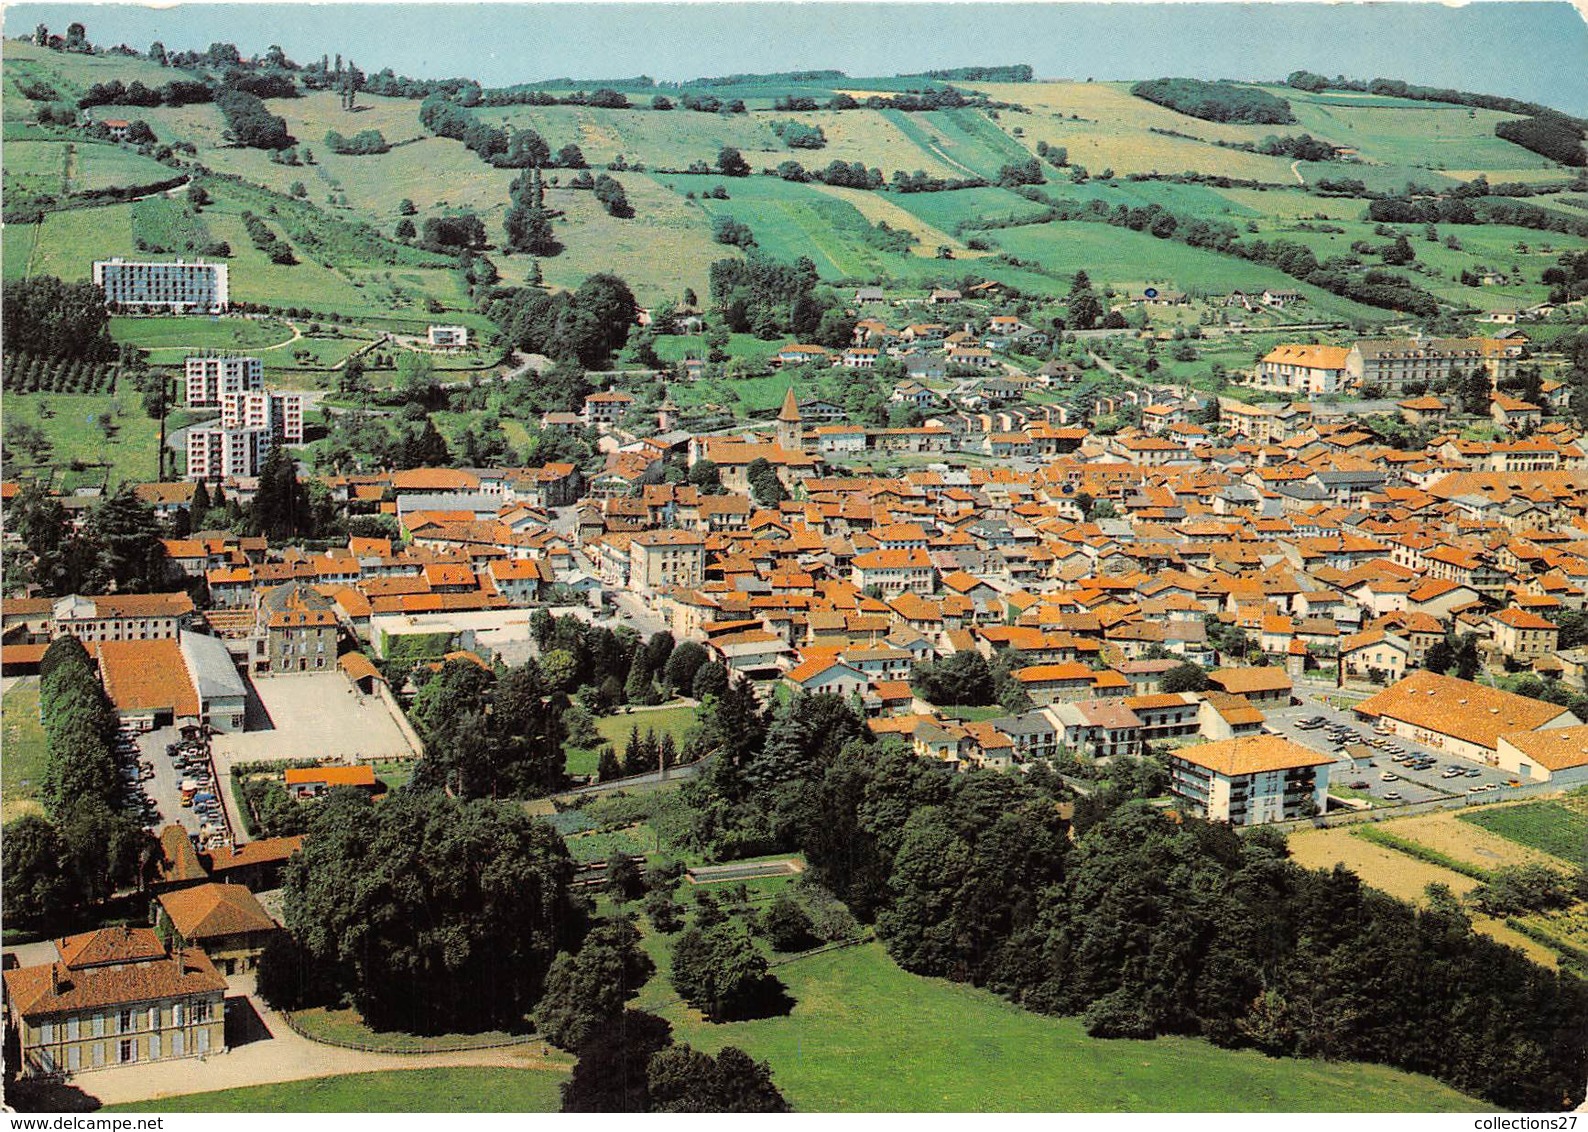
178	859
209	910
109	945
49	988
1559	748
1310	357
1459	708
147	676
361	775
359	667
259	852
1252	754
1241	681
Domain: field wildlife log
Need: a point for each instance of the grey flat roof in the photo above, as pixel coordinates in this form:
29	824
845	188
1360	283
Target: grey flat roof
214	674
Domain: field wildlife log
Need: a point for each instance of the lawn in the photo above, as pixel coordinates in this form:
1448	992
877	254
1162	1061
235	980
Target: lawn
462	1089
344	1026
22	768
865	1036
128	454
171	332
614	729
1546	826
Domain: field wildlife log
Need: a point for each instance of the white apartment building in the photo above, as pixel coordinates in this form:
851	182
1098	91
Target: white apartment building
209	379
178	287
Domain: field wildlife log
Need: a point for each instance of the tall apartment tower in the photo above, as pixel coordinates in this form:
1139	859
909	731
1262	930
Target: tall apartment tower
211	379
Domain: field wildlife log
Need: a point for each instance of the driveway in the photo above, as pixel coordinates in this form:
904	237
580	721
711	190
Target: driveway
277	1053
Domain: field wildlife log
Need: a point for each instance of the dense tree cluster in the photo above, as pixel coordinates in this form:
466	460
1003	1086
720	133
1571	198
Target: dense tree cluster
362	144
117	548
431	914
587	325
799	135
52	319
1215	102
86	848
528	220
250	123
1004	73
177	92
1550	135
1302	148
453	234
267	241
588	988
765	297
609	191
1021	173
1142	924
489	737
631	1064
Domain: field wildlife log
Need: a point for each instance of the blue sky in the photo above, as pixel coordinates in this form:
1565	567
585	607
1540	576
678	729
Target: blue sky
1526	50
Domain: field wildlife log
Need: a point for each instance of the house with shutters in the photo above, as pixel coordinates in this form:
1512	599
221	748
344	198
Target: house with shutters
115	996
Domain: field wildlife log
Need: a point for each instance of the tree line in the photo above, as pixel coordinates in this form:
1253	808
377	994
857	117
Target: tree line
1216	101
1397	88
1143	923
84	848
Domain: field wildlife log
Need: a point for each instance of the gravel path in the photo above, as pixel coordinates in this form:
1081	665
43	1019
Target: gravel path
284	1056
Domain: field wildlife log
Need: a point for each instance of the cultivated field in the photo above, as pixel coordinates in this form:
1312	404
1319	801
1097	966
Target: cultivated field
1403	877
1545	829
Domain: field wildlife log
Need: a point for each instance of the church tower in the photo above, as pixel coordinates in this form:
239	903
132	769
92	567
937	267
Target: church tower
788	423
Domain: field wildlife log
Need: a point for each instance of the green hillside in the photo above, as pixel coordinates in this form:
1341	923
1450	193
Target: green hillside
667	246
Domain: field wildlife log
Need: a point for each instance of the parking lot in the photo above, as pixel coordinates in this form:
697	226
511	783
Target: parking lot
164	788
1355	762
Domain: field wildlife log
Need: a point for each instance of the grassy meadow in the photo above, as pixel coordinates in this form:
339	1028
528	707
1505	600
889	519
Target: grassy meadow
22	768
866	1036
70	421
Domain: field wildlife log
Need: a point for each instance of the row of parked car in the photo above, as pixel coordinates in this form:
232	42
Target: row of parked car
135	771
197	785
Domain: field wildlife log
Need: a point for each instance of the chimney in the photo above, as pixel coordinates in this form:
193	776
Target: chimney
55	978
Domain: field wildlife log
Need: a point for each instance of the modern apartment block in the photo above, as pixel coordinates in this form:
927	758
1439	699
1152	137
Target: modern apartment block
210	379
176	287
1250	780
251	424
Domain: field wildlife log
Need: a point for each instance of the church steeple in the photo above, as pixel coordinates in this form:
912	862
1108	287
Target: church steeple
788	422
